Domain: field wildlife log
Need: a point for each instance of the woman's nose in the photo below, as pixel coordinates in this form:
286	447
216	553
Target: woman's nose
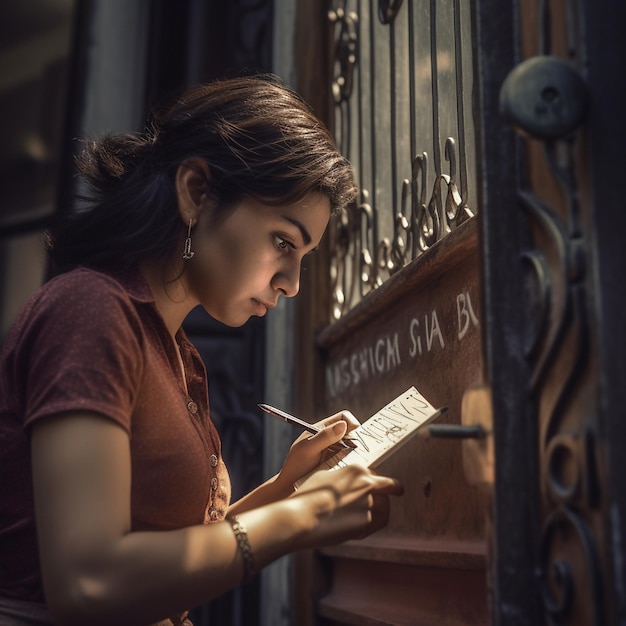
288	280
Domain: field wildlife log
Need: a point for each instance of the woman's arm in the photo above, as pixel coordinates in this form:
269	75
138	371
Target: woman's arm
305	454
96	571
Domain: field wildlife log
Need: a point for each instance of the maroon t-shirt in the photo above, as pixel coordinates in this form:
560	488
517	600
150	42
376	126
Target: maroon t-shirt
93	342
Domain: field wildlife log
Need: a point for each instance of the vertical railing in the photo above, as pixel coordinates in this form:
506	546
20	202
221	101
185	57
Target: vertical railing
402	89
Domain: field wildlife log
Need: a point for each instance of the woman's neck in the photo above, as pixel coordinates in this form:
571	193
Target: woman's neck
171	298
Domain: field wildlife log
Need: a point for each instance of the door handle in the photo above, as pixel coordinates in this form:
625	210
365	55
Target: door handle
476	433
457	431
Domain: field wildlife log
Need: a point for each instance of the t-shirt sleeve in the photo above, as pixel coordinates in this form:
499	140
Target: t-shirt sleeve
81	350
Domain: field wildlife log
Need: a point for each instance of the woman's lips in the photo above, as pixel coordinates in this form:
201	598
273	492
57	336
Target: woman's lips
261	308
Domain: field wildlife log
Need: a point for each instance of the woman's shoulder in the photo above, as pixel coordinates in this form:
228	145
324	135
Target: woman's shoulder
83	279
80	297
86	285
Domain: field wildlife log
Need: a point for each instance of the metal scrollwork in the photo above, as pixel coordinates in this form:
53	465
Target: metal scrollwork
558	346
400	244
417	226
561	326
425	216
393	223
457	208
357	259
369	262
346	41
341	238
388	10
567	549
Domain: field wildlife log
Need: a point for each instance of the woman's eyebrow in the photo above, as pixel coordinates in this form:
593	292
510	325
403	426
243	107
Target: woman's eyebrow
306	237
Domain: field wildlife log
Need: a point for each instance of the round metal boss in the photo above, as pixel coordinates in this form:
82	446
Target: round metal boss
544	97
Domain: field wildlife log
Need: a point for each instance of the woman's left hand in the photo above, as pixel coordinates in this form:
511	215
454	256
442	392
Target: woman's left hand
309	450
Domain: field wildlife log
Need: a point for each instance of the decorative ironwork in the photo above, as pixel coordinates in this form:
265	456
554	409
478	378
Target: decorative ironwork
388	10
566	530
345	54
558	346
397	218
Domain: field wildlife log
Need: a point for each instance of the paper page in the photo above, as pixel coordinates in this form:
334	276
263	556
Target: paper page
385	432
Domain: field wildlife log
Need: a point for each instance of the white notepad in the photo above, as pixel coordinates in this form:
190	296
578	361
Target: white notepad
384	432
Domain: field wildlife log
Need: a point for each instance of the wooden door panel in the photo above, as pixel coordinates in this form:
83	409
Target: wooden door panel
376	593
420	328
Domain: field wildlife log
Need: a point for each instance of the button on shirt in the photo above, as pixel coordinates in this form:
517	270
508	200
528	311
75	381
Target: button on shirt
112	355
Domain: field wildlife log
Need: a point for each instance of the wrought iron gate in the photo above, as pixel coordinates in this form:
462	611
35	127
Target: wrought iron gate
564	565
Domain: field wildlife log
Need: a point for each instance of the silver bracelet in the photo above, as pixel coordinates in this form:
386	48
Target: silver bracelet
249	566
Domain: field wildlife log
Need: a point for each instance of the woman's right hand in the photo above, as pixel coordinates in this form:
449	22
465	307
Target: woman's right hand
348	503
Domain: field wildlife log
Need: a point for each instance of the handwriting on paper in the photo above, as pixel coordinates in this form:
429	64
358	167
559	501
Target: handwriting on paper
385	431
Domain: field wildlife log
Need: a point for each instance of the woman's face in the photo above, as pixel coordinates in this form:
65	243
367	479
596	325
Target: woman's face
244	263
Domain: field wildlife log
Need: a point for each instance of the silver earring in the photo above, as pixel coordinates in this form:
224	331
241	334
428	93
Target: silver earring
188	252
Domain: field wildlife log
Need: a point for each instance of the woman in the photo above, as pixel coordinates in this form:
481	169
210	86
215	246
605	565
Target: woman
114	500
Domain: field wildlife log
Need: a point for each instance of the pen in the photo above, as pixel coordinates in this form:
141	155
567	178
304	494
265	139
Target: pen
292	419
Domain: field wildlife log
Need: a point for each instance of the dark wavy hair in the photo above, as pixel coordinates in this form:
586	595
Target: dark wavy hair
259	139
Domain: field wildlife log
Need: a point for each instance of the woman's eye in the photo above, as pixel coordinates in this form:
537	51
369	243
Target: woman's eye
282	244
